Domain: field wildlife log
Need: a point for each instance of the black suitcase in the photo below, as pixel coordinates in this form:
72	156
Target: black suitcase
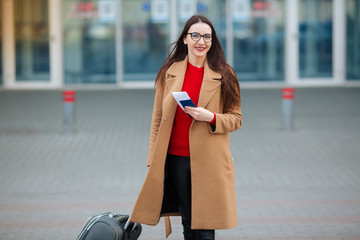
110	226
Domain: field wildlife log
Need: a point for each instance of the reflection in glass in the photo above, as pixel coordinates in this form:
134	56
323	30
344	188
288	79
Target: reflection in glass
212	9
145	37
353	40
32	40
89	41
315	38
258	28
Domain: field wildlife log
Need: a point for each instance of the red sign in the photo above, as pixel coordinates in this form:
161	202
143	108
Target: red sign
84	10
85	7
266	9
258	5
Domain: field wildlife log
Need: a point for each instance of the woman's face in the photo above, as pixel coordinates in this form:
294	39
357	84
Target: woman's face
198	49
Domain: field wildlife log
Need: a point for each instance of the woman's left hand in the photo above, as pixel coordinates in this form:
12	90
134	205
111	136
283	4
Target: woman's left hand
200	114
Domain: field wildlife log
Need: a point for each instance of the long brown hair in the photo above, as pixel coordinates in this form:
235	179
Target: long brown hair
230	90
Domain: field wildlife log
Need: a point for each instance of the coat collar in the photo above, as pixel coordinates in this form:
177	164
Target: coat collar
175	79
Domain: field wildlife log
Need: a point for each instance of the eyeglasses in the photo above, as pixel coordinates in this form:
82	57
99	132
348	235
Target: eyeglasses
197	36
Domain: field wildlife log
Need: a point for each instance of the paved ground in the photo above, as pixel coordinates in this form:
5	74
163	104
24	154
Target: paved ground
298	185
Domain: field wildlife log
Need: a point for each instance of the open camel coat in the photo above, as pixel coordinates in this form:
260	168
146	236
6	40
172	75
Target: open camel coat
212	169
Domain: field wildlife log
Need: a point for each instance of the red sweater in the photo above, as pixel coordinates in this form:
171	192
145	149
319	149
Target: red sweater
179	140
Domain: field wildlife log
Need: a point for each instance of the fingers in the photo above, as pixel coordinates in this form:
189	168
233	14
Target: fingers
191	111
199	113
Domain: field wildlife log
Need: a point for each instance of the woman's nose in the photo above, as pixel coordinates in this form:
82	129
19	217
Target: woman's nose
202	40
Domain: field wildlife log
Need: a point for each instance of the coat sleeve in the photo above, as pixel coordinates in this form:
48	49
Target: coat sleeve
227	122
230	120
156	119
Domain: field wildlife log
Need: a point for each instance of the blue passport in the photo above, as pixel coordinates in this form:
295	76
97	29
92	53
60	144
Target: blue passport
187	102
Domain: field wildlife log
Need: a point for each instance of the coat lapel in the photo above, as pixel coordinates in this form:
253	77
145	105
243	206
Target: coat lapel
175	75
210	85
175	79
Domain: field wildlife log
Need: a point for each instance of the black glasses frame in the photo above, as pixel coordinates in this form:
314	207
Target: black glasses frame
201	36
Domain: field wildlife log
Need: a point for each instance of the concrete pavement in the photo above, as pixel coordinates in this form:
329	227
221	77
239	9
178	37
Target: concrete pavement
302	184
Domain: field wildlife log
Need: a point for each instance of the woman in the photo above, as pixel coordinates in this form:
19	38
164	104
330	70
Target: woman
191	172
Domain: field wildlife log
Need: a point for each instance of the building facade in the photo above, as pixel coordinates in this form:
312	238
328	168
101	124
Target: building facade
123	43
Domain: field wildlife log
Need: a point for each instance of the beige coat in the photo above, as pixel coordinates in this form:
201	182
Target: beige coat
212	168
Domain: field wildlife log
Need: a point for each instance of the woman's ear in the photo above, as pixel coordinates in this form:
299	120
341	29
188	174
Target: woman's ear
185	41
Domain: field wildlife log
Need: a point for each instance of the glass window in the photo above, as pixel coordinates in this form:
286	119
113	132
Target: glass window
32	40
212	9
145	37
89	41
258	28
353	40
1	72
315	38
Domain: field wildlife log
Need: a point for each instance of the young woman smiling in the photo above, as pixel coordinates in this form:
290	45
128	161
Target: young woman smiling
191	172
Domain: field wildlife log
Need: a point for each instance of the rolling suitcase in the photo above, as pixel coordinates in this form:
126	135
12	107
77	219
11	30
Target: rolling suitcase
110	226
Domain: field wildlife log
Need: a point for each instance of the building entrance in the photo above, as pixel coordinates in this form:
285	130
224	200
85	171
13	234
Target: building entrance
27	48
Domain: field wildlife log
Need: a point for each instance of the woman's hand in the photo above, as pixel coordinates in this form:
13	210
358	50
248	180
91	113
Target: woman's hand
200	114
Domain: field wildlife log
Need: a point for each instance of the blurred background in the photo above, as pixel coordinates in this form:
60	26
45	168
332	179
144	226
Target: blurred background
61	43
300	183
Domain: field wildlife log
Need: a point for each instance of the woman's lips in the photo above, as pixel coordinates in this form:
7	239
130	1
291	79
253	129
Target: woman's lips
200	48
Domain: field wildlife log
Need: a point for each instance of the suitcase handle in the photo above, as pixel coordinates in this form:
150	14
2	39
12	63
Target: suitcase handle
128	223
